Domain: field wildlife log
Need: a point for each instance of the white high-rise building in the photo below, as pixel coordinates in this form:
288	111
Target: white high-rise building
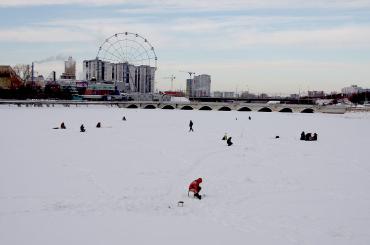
354	89
200	86
131	78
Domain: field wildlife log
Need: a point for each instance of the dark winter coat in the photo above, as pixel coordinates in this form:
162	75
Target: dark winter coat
308	137
229	143
314	137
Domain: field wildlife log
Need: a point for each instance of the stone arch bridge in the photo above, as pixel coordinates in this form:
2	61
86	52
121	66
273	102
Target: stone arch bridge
214	106
206	106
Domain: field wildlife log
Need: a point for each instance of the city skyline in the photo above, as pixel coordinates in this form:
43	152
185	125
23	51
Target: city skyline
261	46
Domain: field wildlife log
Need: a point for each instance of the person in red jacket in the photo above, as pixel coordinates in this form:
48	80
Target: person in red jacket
195	188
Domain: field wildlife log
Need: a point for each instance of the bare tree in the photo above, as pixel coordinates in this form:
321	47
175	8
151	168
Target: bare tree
22	70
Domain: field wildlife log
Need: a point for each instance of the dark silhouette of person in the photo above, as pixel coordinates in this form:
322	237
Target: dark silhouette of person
124	119
303	136
191	126
195	188
62	125
82	128
98	125
308	137
229	143
225	137
314	137
249	118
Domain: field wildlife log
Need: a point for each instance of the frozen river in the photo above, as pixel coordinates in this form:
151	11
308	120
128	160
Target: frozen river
120	184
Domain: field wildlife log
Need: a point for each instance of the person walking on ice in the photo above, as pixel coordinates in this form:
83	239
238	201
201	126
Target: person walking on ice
191	126
195	188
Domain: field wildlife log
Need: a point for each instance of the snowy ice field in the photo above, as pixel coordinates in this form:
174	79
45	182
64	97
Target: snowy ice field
120	184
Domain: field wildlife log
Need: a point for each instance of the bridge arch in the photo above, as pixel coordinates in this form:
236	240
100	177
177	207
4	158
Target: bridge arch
225	108
205	108
132	106
265	109
308	110
286	110
244	109
187	108
150	107
168	107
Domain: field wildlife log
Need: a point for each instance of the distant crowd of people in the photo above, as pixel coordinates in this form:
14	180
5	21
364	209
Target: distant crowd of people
308	136
82	127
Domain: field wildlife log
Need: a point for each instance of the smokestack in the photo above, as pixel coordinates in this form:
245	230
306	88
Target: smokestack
32	74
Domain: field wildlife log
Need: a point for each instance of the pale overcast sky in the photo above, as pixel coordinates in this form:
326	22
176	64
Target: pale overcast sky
273	46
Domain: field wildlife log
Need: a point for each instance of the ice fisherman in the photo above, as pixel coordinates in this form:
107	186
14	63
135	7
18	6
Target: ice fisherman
62	125
308	136
303	136
314	137
195	188
124	119
191	126
98	125
82	128
225	137
229	143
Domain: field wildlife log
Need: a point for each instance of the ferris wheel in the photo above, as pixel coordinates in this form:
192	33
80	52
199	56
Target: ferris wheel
127	47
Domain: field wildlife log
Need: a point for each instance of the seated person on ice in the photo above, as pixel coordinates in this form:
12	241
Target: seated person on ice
225	137
310	137
82	128
62	126
314	137
195	188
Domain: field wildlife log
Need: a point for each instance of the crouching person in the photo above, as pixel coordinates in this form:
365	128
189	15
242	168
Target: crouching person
225	137
195	188
229	143
308	137
314	137
82	128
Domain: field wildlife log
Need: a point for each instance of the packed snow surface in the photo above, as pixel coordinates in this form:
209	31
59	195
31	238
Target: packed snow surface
120	184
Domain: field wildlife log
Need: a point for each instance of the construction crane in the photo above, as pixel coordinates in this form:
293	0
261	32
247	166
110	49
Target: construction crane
172	77
189	72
